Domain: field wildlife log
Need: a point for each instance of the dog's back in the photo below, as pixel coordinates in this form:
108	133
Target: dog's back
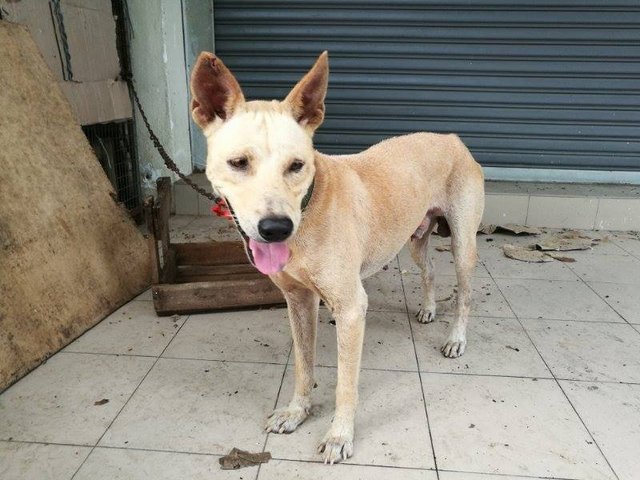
398	181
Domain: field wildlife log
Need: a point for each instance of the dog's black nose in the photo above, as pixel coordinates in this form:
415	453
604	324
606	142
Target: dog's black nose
275	229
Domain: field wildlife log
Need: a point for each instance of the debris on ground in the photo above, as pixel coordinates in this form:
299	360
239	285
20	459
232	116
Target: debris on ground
101	402
518	229
487	229
510	228
545	249
569	240
443	248
527	253
560	257
237	458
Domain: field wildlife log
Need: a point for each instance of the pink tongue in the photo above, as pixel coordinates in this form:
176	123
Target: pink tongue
269	258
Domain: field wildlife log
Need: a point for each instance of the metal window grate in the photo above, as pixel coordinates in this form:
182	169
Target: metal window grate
114	146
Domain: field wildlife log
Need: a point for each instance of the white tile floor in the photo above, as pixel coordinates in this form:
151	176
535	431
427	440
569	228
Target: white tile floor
549	386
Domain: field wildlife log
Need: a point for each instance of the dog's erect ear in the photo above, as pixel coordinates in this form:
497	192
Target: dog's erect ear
214	90
306	100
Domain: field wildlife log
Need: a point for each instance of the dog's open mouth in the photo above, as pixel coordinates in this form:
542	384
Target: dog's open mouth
269	258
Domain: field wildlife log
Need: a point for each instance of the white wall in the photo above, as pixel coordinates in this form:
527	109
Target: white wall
160	77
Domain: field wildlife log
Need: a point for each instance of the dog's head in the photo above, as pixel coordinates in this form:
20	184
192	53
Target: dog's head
260	153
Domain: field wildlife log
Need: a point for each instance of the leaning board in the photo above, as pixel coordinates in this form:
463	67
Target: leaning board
69	255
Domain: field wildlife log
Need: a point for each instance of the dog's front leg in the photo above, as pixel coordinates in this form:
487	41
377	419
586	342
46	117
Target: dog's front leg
303	316
350	321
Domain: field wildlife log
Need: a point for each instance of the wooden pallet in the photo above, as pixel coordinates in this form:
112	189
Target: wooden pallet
200	277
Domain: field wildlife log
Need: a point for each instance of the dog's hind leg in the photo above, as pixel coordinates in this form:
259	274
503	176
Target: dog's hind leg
303	316
464	225
418	246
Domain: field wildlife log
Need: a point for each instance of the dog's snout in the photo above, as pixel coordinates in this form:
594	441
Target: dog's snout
275	229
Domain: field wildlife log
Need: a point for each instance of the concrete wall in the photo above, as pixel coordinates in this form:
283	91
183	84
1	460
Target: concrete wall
160	76
199	36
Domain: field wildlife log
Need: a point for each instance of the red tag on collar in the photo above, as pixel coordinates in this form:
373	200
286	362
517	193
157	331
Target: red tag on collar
221	209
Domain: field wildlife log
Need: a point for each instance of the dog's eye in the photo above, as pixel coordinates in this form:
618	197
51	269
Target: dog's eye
240	163
296	166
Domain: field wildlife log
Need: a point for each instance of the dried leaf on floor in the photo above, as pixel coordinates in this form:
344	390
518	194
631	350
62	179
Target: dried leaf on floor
525	254
565	241
101	402
237	458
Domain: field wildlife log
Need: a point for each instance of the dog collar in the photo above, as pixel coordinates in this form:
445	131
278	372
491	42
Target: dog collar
307	198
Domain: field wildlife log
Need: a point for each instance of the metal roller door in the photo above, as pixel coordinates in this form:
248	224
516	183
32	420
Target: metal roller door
542	84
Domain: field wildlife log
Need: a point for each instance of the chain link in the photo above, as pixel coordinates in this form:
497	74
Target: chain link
57	11
168	161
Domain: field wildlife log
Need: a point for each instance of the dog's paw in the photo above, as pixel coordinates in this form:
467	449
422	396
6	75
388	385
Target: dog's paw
286	420
454	347
336	447
427	314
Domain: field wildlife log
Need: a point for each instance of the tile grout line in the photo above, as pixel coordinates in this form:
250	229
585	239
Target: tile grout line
634	327
584	425
625	250
600	297
391	370
510	475
284	373
415	352
317	462
526	215
593	225
131	396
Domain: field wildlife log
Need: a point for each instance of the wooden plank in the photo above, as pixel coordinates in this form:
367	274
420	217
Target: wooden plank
169	299
210	273
152	246
170	267
162	211
210	253
152	242
204	277
183	279
218	270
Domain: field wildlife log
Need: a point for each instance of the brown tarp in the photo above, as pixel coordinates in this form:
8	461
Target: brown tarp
69	255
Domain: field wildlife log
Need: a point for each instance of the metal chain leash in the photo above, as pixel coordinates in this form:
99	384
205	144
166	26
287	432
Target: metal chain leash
168	161
57	11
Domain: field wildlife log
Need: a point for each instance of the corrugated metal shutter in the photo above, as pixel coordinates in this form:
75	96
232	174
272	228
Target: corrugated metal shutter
526	83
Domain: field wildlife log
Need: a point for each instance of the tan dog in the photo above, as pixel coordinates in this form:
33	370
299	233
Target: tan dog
363	209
